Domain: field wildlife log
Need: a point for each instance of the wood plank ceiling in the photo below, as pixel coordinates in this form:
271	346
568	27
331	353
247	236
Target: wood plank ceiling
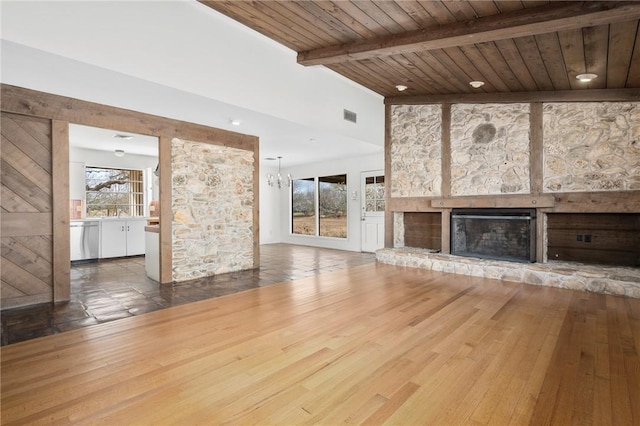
438	47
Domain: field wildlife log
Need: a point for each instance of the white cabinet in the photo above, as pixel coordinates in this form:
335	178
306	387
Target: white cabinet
152	255
135	237
122	238
113	238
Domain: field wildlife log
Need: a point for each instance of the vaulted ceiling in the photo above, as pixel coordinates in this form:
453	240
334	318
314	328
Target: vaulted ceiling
438	47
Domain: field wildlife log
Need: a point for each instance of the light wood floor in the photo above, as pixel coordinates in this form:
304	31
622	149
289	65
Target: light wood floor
370	344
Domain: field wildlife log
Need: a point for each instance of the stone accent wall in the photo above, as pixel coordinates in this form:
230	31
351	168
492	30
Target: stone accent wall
489	149
416	151
212	202
591	146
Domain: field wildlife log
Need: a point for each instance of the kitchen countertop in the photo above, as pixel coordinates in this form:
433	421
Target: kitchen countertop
94	219
152	228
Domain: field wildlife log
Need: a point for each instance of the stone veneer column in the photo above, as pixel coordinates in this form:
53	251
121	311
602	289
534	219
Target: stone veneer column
212	189
398	229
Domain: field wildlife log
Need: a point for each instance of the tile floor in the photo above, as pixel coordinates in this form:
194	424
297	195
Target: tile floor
112	289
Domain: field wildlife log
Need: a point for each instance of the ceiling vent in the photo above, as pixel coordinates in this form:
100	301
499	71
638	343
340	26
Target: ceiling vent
350	116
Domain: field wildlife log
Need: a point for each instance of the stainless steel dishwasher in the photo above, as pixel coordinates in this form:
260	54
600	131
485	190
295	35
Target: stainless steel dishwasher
85	239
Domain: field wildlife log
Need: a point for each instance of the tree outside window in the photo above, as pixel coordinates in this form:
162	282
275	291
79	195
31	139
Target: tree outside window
110	192
332	202
303	206
324	215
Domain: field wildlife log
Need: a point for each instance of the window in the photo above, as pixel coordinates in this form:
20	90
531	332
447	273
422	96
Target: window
303	206
374	194
319	206
332	200
113	191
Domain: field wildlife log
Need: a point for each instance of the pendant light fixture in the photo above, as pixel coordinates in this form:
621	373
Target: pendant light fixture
278	178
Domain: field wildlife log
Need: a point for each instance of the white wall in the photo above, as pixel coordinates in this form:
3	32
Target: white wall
107	159
270	227
352	167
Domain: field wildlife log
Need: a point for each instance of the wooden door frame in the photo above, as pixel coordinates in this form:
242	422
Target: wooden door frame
64	110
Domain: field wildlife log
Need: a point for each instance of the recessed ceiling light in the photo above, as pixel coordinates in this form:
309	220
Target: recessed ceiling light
586	77
122	136
119	153
235	122
476	84
401	87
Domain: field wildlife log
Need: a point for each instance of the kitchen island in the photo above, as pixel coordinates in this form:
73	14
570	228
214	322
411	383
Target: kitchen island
152	251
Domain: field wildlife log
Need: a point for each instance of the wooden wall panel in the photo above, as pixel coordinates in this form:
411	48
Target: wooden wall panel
26	268
423	230
610	239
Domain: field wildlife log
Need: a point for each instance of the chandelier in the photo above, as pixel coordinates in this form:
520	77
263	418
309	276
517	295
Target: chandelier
278	177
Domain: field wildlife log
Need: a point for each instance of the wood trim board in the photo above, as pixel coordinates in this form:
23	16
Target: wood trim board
61	232
446	150
536	148
34	103
388	212
166	213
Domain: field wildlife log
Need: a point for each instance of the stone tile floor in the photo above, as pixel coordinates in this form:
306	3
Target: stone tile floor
108	290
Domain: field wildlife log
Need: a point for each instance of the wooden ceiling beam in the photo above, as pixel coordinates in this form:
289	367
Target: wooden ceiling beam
520	23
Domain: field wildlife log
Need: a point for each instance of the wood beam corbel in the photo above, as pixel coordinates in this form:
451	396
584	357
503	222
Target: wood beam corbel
521	23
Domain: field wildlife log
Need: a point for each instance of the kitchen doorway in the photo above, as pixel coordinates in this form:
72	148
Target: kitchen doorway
113	206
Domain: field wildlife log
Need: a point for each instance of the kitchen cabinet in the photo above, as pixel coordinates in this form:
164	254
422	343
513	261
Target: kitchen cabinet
135	237
120	237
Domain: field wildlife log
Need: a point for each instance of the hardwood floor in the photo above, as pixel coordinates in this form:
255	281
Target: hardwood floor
113	289
370	344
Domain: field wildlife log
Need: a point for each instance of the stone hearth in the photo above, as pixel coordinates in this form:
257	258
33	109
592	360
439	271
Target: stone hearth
619	281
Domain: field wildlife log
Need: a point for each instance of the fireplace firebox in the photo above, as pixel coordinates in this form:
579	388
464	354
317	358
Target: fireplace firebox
501	234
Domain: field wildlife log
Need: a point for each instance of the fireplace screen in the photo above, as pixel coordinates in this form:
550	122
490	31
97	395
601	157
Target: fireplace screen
502	234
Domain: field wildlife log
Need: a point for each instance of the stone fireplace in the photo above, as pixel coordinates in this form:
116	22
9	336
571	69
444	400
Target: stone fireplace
540	192
501	234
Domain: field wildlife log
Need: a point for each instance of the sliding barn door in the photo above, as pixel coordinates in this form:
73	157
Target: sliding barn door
26	207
